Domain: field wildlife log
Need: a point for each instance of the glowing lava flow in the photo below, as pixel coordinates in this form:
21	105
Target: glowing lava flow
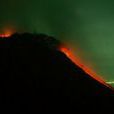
6	33
69	54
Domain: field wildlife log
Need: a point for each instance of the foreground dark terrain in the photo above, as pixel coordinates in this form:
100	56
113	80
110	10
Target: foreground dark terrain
37	77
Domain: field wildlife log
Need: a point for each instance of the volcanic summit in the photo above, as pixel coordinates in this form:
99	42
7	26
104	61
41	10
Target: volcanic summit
35	72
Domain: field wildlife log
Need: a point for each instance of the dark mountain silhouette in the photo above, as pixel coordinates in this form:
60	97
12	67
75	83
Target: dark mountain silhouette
36	76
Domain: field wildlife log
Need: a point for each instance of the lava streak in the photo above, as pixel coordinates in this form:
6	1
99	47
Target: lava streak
7	33
78	62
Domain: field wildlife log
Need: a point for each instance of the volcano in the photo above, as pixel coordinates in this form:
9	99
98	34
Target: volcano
36	75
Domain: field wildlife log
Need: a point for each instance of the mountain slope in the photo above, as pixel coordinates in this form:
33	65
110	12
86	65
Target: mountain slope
34	72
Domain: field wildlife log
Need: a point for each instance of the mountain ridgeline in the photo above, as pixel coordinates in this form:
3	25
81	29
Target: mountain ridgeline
34	72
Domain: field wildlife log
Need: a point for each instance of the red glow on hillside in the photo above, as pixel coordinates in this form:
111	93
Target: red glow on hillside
6	32
79	63
5	35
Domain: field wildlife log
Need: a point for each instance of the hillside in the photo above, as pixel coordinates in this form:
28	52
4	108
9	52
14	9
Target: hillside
35	76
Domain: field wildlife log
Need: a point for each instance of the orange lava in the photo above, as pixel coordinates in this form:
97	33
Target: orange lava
6	33
79	63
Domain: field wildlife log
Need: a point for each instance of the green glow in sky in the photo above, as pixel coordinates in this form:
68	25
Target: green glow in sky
86	24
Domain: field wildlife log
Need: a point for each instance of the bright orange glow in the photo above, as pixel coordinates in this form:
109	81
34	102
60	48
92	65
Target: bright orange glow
7	32
79	63
5	35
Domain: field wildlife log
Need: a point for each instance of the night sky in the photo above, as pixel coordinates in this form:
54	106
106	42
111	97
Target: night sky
86	26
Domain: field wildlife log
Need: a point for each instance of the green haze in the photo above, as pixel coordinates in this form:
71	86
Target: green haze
86	24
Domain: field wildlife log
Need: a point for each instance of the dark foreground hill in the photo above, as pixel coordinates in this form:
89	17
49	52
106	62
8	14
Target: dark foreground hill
36	77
